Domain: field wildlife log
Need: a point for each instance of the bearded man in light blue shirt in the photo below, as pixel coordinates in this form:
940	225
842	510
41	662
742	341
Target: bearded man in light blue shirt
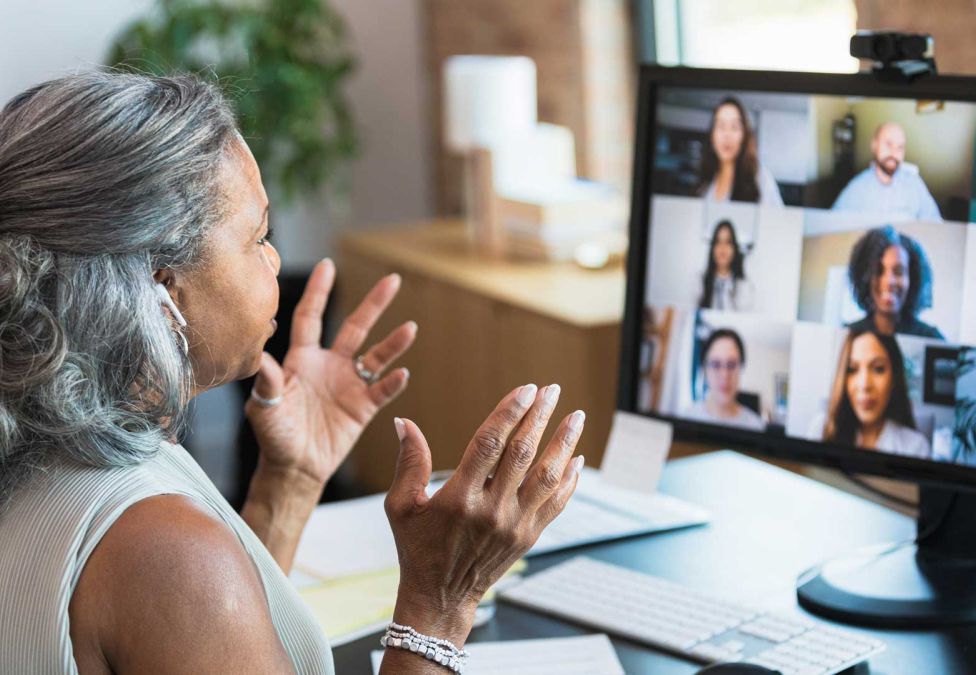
889	186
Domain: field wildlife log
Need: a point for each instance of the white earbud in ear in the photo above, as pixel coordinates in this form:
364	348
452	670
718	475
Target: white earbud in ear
168	301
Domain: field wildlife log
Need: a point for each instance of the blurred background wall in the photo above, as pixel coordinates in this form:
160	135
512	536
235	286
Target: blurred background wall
390	180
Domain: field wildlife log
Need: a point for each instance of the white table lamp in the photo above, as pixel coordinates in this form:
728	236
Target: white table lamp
487	99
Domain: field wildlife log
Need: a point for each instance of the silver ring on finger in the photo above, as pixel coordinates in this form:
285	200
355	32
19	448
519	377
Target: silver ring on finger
365	374
265	402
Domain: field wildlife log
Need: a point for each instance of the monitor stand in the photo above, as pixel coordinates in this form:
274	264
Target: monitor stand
928	582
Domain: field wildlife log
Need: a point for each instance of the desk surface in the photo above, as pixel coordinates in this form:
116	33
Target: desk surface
442	250
768	525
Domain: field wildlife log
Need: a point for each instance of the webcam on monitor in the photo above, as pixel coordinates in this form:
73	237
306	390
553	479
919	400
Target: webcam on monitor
896	56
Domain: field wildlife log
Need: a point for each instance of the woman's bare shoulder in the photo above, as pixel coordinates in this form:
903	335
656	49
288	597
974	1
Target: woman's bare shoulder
169	589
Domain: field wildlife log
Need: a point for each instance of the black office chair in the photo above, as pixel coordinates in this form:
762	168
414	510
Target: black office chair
291	287
224	415
749	400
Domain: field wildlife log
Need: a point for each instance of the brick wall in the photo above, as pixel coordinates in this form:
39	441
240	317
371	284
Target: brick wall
585	63
951	22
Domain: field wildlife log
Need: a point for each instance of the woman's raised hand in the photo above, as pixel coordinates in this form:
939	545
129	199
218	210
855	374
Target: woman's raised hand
325	404
455	545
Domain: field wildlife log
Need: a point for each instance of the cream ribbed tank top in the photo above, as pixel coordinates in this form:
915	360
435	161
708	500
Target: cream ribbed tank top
54	523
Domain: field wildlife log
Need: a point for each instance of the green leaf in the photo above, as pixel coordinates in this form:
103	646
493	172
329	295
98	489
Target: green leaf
288	92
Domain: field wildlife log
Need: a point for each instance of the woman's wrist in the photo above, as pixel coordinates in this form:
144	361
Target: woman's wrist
284	486
286	497
278	505
433	616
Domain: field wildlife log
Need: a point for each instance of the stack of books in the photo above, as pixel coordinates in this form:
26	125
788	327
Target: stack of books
550	221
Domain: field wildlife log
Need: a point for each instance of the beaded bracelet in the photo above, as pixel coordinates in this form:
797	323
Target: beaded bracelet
442	652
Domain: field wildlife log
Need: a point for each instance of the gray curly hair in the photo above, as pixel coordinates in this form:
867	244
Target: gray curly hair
105	177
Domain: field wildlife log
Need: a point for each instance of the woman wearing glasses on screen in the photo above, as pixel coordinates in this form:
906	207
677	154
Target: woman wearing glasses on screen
892	281
724	283
723	357
869	406
730	167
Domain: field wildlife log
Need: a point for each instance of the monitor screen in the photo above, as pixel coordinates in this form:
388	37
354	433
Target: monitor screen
807	268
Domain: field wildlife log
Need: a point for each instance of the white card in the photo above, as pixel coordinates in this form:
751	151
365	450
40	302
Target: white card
636	451
583	655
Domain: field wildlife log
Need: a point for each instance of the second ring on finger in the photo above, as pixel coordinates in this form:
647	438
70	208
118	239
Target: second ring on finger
367	368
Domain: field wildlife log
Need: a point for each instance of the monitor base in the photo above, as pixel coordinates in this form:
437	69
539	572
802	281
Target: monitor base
895	586
928	583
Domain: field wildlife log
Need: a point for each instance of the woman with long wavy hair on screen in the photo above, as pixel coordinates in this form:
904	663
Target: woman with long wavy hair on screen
724	284
731	170
869	405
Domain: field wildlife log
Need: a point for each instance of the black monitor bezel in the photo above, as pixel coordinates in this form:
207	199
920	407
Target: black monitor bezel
837	456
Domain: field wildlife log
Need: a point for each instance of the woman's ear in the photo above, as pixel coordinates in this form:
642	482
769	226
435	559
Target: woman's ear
163	276
168	279
167	292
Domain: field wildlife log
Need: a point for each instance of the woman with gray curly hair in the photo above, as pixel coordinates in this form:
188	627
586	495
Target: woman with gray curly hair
136	271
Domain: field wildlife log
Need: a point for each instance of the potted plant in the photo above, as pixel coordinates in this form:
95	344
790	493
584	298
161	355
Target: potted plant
283	63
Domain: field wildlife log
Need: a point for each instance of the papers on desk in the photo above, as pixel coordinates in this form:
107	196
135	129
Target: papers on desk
347	537
621	499
346	568
586	655
354	606
601	511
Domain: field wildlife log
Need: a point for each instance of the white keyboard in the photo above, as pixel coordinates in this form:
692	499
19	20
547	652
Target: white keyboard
694	625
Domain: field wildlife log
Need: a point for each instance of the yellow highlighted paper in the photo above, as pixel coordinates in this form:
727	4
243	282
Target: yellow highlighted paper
357	605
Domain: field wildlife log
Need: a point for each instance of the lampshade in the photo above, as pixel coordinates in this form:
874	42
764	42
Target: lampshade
487	99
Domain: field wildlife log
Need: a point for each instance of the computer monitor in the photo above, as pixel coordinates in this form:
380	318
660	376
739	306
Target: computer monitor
802	283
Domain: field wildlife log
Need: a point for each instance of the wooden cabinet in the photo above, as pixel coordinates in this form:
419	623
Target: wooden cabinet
485	327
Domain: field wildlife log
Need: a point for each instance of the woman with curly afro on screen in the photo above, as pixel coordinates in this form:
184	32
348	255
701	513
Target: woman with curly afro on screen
892	282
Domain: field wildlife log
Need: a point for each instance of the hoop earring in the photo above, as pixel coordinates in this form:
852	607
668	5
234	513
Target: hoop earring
167	301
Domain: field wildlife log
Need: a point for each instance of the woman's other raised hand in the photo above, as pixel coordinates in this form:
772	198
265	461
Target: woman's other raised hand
454	545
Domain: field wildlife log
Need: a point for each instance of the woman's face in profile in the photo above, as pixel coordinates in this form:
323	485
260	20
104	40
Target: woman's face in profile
723	362
723	252
891	282
230	302
869	379
728	132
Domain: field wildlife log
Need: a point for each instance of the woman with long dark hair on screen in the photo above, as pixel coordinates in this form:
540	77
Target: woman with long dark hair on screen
869	406
892	281
730	166
724	284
